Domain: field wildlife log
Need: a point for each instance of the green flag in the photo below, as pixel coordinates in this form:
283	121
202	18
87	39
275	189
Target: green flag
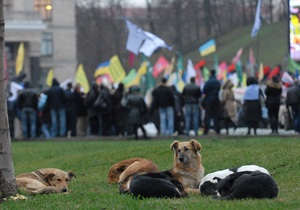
293	65
239	70
130	76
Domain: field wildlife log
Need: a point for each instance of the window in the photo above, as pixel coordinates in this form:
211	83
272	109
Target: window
46	46
44	7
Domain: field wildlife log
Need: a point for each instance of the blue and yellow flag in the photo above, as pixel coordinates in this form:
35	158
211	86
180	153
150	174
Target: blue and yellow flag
103	68
208	47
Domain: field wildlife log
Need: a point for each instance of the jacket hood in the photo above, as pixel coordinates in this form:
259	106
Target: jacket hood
55	82
273	84
228	85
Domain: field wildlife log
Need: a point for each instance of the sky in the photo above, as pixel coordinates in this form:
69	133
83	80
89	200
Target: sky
137	3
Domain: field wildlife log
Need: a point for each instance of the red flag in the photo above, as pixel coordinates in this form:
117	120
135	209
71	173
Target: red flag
222	70
251	57
274	72
231	68
200	64
131	59
237	56
161	64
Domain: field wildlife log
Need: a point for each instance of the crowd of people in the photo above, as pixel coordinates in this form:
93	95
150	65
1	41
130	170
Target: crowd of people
109	111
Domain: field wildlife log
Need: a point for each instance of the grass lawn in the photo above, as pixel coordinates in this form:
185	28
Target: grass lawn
91	160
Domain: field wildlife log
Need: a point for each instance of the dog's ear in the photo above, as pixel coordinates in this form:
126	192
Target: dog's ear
196	144
217	178
50	176
71	175
174	145
121	168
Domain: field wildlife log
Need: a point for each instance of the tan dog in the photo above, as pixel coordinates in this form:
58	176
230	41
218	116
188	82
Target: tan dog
45	181
184	177
121	170
187	167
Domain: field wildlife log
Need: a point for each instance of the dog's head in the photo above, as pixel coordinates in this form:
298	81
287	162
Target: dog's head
59	179
114	173
186	151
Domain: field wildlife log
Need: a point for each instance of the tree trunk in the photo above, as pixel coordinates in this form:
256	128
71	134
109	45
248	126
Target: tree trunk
8	185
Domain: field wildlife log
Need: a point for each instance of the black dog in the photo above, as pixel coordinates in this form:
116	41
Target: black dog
247	185
158	185
209	183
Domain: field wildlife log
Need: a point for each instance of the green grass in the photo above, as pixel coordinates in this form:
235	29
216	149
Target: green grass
91	160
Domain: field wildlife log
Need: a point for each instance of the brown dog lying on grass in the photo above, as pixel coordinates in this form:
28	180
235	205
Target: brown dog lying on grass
121	170
45	181
183	178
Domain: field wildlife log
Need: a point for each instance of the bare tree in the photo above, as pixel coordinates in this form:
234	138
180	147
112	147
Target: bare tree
8	184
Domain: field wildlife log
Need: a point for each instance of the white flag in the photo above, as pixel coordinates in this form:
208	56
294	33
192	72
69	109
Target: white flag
136	37
257	21
152	43
286	78
190	71
142	41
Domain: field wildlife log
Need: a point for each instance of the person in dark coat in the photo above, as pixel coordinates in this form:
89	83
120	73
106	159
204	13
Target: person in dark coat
211	102
293	102
118	110
80	110
164	101
93	116
28	104
252	104
191	94
136	110
273	93
178	112
56	99
70	110
106	113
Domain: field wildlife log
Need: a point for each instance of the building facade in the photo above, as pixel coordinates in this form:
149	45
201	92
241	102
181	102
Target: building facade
48	30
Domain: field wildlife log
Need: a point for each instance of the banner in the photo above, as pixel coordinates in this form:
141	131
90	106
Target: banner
116	70
20	58
81	78
49	78
208	48
257	21
161	64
